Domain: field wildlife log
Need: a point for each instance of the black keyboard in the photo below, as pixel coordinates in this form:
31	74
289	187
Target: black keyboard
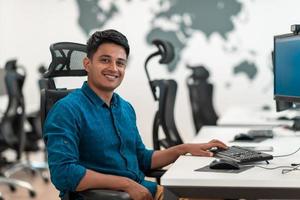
241	154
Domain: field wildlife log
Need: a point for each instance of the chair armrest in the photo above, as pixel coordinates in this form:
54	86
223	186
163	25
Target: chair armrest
155	173
98	194
104	194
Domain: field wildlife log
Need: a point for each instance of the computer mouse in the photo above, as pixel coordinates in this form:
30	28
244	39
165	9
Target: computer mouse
224	164
243	137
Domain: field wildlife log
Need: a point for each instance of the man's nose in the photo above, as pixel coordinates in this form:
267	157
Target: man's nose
113	65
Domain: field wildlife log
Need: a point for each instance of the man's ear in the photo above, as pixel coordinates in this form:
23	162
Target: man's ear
86	63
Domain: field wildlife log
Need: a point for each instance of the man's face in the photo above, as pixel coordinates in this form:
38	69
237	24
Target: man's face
106	68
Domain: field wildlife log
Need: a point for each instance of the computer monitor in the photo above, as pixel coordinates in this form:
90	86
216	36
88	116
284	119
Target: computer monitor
286	60
280	105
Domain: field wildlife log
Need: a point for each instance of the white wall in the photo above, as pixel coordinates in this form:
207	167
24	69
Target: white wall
29	27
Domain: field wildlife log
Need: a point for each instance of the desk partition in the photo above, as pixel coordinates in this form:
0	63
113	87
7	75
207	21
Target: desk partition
255	117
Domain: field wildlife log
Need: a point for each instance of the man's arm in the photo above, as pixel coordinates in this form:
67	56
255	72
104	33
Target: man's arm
94	180
167	156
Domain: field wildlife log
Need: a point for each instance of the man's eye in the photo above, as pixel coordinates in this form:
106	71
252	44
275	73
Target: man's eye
104	60
121	63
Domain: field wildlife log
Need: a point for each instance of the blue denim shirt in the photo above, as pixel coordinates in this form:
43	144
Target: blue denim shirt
81	132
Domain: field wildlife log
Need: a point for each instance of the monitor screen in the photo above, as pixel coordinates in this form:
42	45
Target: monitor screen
287	68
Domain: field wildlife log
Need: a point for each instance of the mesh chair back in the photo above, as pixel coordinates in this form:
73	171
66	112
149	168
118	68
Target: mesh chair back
164	117
66	60
201	98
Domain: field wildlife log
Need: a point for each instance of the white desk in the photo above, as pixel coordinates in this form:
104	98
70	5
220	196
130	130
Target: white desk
240	116
181	180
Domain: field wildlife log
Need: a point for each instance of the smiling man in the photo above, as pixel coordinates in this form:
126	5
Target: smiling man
91	135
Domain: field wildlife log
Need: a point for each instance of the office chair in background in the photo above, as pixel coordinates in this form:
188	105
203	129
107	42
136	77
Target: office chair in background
27	141
201	97
67	61
12	135
2	91
164	117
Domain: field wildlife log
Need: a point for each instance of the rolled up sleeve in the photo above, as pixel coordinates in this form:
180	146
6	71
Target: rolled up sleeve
144	155
61	137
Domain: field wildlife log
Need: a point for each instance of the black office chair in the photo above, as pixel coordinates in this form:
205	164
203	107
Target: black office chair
12	135
201	97
67	61
15	111
164	116
25	141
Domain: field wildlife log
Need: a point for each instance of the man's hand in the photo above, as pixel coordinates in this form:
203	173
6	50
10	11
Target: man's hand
165	157
202	149
137	191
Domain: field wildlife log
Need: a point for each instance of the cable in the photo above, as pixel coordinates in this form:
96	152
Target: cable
272	168
286	169
287	154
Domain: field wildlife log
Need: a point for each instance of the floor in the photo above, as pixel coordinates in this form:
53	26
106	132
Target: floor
44	191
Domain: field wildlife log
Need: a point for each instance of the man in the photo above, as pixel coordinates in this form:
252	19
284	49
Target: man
91	135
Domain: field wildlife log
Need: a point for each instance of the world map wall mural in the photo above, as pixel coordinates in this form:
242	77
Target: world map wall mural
184	19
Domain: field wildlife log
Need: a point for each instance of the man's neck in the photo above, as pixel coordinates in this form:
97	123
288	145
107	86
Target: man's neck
106	96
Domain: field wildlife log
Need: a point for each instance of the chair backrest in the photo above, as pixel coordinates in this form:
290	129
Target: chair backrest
164	117
12	123
48	98
201	98
66	61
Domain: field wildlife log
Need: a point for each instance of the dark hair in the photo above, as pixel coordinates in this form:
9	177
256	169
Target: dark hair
106	36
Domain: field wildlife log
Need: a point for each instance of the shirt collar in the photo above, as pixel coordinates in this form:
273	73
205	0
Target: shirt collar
95	98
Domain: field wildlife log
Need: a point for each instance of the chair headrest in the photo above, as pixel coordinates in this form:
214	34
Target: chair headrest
66	60
11	65
199	72
166	50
